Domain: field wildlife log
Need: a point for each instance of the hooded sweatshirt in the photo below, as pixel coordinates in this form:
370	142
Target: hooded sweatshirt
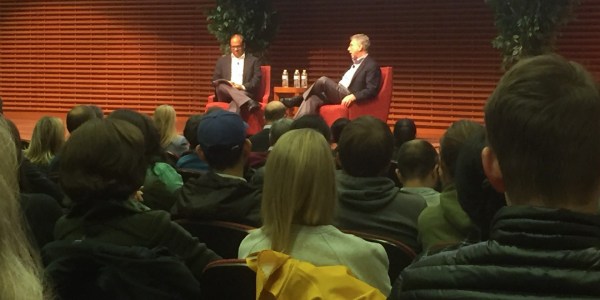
214	197
375	205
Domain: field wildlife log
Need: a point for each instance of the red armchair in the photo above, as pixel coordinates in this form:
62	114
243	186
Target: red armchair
378	107
255	120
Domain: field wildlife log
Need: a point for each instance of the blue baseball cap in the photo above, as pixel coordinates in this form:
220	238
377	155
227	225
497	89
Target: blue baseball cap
221	128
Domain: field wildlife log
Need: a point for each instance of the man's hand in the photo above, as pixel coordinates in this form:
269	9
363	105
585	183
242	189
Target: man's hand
237	86
347	101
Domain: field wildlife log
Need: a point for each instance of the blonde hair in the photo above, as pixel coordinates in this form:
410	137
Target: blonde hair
299	186
164	118
21	275
46	140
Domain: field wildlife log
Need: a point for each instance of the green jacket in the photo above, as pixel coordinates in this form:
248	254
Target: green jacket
444	224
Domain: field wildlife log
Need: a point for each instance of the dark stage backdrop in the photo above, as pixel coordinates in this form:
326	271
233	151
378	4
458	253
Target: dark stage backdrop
143	53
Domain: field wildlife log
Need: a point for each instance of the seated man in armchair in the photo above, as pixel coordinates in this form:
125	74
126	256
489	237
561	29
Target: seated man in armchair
359	83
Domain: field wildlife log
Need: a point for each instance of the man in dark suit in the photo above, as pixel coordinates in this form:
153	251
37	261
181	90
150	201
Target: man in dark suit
237	77
359	83
274	111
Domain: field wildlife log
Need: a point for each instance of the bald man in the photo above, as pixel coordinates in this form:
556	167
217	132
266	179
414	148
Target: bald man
274	111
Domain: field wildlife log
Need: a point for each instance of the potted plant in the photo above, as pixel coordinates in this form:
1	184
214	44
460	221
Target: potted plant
254	19
528	27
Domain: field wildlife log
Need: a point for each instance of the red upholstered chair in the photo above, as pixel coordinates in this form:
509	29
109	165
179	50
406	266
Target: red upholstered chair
255	120
220	236
378	107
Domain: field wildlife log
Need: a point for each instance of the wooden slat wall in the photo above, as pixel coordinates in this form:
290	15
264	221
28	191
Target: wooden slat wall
142	53
113	53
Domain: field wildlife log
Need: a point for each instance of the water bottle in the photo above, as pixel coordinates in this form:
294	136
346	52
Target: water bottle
284	79
296	78
304	79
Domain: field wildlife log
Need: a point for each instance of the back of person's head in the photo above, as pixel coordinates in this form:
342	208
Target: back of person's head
103	160
278	128
191	129
416	159
98	111
222	136
21	268
79	115
315	122
299	185
337	127
274	111
153	151
543	123
404	130
365	147
47	138
164	119
451	143
476	195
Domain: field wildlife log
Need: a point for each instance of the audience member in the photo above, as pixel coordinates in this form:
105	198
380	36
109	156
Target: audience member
46	141
162	181
223	193
359	83
40	197
165	119
404	130
98	111
369	201
274	111
476	195
79	115
541	122
237	77
21	276
336	129
190	159
298	208
447	223
103	189
315	122
31	179
418	170
279	128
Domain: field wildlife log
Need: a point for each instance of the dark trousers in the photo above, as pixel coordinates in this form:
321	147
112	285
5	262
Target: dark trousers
235	97
323	91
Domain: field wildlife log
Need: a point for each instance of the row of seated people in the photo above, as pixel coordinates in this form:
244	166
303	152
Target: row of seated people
401	226
312	121
298	201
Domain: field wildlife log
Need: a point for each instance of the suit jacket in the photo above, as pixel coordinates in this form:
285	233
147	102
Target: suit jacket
365	83
252	74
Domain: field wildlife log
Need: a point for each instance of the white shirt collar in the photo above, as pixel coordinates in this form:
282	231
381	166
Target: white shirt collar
239	58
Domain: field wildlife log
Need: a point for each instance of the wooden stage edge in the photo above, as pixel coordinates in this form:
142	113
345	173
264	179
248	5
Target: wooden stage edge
25	121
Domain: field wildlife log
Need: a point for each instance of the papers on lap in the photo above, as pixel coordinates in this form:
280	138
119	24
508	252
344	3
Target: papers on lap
221	81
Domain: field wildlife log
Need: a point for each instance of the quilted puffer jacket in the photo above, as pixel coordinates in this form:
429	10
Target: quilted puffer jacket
533	253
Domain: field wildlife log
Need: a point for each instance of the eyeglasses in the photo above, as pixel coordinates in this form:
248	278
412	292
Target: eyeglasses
236	47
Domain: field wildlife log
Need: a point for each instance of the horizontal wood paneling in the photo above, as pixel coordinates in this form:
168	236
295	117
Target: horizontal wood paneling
137	54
